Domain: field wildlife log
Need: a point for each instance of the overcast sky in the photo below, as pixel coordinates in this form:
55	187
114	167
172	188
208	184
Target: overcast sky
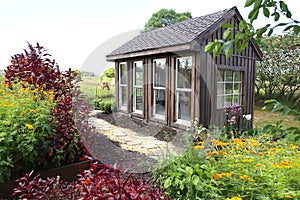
76	30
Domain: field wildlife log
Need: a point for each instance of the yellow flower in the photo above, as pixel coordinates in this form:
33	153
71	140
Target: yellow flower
260	153
244	177
234	198
288	197
297	165
246	160
239	142
293	146
33	111
259	165
29	126
7	104
226	174
198	147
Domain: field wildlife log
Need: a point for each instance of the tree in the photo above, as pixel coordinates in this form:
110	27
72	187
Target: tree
278	74
277	9
166	17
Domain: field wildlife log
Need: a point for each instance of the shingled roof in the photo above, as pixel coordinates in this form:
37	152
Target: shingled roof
177	34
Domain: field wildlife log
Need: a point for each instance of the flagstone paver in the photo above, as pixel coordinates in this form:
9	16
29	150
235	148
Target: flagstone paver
130	140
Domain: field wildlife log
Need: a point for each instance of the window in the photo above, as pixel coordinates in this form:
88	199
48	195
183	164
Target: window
159	88
122	85
229	88
138	86
183	90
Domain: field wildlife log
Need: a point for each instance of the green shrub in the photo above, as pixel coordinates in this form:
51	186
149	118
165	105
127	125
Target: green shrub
104	105
250	168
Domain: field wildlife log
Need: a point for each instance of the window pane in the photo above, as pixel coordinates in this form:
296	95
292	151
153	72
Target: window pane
123	73
236	99
184	72
159	76
123	96
237	76
160	102
228	101
236	88
139	98
138	76
228	88
184	105
228	76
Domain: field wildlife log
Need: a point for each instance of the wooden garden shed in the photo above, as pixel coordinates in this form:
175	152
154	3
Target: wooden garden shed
164	75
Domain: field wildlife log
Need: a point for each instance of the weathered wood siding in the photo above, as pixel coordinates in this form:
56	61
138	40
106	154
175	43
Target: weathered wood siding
208	75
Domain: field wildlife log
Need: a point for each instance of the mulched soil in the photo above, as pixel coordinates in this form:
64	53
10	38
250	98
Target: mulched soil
156	130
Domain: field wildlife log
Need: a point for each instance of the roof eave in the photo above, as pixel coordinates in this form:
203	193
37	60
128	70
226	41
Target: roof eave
176	48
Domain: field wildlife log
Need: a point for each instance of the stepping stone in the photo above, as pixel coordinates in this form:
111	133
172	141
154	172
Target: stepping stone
150	146
133	143
104	128
157	142
119	134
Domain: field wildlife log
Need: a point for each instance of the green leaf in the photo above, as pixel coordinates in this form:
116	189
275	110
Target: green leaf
276	16
227	48
266	12
253	15
296	29
270	32
227	25
242	25
278	107
288	28
195	180
227	34
249	3
210	46
168	182
257	4
283	6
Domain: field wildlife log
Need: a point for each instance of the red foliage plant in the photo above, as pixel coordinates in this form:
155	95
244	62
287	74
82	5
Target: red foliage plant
101	181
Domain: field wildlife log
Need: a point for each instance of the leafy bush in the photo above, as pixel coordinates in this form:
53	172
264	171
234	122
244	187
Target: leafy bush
25	132
249	168
104	105
99	182
277	75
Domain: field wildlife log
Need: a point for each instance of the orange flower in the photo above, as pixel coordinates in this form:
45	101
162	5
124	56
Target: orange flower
86	181
246	160
222	152
210	153
288	197
217	176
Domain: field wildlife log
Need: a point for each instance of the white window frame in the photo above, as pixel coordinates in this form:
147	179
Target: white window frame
233	82
156	88
135	87
178	90
122	85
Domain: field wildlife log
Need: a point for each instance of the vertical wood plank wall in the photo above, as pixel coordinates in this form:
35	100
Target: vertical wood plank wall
209	65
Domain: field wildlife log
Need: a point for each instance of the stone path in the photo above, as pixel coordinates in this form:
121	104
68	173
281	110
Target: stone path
130	140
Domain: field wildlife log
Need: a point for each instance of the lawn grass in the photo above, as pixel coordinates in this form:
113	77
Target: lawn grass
264	117
88	86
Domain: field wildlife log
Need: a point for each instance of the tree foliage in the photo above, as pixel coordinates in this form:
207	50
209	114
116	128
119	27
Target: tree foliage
166	17
278	10
278	74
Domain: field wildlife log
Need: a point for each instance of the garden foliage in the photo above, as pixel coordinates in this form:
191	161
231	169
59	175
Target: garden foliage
278	74
239	168
99	182
37	128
